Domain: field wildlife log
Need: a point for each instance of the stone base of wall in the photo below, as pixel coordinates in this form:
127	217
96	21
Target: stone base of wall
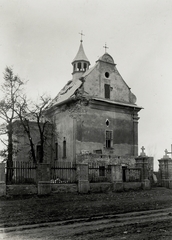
83	186
146	184
101	187
44	187
64	188
14	190
117	186
166	183
2	189
132	185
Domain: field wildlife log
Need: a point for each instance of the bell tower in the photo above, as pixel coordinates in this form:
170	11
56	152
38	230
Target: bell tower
80	62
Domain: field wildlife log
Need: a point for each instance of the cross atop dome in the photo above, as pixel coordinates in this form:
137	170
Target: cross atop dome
105	47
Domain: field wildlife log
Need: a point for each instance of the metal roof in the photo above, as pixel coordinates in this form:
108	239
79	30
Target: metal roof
66	93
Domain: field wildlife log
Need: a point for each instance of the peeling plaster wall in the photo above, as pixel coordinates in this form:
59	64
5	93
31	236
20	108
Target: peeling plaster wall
91	129
106	159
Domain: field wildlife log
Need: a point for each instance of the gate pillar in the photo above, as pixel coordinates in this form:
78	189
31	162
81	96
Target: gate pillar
44	185
82	174
142	162
116	178
165	169
2	180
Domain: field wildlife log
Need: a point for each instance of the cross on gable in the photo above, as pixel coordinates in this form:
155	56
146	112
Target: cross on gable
105	47
81	33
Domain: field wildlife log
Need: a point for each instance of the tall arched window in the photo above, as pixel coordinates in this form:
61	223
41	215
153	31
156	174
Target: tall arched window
79	66
85	66
64	148
56	150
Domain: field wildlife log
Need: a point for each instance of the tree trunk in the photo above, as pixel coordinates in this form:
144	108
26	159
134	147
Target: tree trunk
10	154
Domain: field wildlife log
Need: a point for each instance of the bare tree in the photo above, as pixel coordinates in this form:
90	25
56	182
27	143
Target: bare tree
11	90
34	112
23	114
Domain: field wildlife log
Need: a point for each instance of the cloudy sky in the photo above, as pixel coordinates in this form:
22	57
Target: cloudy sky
40	38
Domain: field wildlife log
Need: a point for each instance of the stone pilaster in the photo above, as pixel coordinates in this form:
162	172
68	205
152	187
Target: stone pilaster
2	180
135	134
44	185
165	169
142	162
83	182
116	178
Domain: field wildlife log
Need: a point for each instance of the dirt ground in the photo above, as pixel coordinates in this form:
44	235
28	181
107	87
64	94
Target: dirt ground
30	210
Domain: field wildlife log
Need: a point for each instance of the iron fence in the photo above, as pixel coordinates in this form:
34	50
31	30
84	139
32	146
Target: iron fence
99	172
63	173
22	173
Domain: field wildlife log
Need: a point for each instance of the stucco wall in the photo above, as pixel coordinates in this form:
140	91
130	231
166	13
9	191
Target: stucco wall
22	145
65	130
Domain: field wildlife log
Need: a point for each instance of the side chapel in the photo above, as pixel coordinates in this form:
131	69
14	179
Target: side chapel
95	114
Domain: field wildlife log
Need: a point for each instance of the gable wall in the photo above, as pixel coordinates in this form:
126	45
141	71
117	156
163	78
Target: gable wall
94	83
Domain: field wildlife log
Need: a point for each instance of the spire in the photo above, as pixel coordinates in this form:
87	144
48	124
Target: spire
80	62
80	56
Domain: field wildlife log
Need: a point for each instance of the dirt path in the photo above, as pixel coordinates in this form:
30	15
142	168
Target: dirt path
154	224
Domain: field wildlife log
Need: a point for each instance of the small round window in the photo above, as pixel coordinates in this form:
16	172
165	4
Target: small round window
106	74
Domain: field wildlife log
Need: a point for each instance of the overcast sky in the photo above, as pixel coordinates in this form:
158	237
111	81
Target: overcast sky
40	38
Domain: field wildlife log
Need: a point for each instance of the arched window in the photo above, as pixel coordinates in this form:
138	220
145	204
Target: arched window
79	66
85	66
64	148
74	67
56	150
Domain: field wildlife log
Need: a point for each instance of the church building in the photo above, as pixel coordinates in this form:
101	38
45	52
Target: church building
95	114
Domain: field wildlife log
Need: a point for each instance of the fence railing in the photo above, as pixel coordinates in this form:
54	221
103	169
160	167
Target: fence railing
66	172
22	173
63	172
99	172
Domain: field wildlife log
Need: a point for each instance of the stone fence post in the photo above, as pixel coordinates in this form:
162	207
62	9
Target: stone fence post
43	177
2	180
142	162
165	169
116	177
83	182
